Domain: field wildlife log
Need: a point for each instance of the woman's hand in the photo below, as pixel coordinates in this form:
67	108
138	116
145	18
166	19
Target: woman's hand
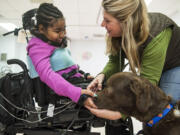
104	113
96	84
89	102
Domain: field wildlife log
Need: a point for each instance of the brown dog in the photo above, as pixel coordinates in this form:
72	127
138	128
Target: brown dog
134	96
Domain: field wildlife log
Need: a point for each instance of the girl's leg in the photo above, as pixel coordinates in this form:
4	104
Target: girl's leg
170	83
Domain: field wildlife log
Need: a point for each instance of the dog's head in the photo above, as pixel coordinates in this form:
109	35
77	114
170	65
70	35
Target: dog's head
129	94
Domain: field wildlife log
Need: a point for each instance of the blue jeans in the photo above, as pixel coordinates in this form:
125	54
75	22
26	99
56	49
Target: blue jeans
170	83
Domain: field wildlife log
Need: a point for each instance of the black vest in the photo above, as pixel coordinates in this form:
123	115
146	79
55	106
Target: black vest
158	23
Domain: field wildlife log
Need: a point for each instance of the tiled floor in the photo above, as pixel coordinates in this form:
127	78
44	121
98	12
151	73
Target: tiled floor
136	124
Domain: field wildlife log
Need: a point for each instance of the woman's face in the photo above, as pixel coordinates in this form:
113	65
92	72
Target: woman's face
56	32
112	25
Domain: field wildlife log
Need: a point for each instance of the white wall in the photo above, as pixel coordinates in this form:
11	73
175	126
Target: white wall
176	18
13	50
89	54
7	44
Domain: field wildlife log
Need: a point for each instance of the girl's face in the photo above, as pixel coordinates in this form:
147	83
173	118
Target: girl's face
112	25
56	32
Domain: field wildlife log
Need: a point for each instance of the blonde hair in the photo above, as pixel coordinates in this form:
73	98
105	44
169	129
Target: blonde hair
133	17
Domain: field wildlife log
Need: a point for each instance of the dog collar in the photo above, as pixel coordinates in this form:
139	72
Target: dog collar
160	116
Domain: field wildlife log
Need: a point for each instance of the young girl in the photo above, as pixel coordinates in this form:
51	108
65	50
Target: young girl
48	56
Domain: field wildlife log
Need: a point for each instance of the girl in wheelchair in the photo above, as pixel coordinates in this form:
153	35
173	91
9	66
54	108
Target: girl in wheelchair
49	58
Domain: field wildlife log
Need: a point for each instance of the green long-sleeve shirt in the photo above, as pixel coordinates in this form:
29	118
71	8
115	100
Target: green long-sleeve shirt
153	58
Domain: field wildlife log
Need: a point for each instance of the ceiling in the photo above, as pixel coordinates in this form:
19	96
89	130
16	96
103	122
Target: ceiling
83	17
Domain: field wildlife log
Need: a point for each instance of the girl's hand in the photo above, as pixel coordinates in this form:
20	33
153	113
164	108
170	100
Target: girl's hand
89	101
104	113
87	92
90	77
96	84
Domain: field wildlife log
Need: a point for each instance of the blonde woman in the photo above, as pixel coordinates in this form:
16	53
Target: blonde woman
149	41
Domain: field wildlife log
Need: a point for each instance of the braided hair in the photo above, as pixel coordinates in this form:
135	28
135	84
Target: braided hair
45	15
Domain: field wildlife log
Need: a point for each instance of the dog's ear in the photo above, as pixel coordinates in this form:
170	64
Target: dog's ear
108	91
143	98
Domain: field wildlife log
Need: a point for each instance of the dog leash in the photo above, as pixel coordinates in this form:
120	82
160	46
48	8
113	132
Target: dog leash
160	116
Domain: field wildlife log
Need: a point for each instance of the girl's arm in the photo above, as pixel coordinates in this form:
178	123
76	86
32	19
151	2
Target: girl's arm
40	56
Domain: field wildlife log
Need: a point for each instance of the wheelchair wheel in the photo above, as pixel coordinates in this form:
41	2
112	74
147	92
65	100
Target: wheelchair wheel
119	127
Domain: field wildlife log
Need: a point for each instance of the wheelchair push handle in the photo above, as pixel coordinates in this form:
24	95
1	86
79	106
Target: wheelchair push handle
19	62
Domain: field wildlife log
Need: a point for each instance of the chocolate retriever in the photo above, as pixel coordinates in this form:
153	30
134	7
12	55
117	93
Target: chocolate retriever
134	96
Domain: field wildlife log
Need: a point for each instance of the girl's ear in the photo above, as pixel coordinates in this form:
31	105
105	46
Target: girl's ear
41	28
